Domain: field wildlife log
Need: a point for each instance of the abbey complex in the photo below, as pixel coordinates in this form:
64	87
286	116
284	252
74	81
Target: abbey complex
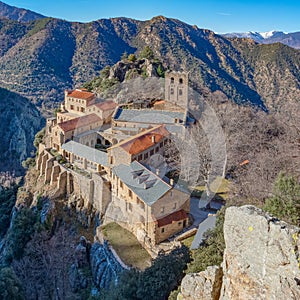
111	156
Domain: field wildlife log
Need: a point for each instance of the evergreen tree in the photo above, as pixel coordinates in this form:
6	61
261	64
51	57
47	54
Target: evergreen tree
147	53
285	202
10	286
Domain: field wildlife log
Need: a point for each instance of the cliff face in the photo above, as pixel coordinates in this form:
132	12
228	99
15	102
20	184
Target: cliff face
261	260
20	121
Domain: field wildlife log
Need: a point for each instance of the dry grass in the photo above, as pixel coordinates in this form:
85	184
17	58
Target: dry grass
127	246
188	241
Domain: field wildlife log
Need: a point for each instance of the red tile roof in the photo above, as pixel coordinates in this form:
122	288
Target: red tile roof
81	94
107	105
143	141
160	102
79	122
174	217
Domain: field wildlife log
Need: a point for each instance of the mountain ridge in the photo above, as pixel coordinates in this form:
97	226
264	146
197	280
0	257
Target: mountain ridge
291	39
41	58
18	14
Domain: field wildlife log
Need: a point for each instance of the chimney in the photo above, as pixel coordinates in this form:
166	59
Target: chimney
153	139
171	182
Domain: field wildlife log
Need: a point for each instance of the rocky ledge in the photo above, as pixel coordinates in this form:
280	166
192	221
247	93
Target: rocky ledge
261	261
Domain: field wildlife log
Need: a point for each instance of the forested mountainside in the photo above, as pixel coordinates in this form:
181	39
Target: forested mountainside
20	120
41	58
19	14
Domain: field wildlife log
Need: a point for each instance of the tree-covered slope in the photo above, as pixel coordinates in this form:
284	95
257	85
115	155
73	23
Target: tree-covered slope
41	58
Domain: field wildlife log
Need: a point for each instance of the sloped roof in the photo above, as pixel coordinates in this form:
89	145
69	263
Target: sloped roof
79	122
174	217
141	181
149	116
89	153
107	105
144	140
81	94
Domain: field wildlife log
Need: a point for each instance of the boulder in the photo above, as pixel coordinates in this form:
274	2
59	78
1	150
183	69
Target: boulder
204	285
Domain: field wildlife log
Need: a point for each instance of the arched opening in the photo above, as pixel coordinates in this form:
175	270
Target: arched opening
98	141
172	80
180	81
142	219
114	141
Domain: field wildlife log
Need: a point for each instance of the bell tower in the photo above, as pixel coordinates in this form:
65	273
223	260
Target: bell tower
176	88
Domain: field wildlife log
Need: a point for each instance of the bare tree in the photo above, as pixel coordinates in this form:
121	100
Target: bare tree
45	266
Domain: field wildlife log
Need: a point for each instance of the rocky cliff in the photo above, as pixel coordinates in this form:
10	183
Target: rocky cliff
261	261
20	121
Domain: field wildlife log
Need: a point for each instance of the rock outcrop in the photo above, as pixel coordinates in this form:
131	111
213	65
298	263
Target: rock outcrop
204	285
20	121
261	260
105	267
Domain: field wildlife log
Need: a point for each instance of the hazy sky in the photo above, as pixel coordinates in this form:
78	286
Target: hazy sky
217	15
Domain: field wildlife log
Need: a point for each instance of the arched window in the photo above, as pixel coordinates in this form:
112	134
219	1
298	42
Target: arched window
180	92
180	81
172	91
142	219
172	80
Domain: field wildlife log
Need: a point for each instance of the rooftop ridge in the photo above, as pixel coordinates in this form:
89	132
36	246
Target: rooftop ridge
138	135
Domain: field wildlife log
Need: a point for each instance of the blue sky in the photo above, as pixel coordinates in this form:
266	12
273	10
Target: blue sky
219	16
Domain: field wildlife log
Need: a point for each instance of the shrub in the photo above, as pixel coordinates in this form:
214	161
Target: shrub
156	282
10	286
132	57
147	53
7	202
39	137
211	252
23	227
285	202
28	163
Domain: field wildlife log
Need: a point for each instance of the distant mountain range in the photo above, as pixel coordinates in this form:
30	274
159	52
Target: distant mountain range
18	14
289	39
41	58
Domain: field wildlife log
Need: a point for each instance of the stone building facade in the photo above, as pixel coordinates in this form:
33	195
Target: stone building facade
150	207
110	156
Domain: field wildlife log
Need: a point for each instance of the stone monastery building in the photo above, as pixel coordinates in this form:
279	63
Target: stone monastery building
112	157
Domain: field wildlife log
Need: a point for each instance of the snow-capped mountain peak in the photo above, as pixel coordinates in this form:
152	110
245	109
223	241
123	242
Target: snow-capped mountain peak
269	34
